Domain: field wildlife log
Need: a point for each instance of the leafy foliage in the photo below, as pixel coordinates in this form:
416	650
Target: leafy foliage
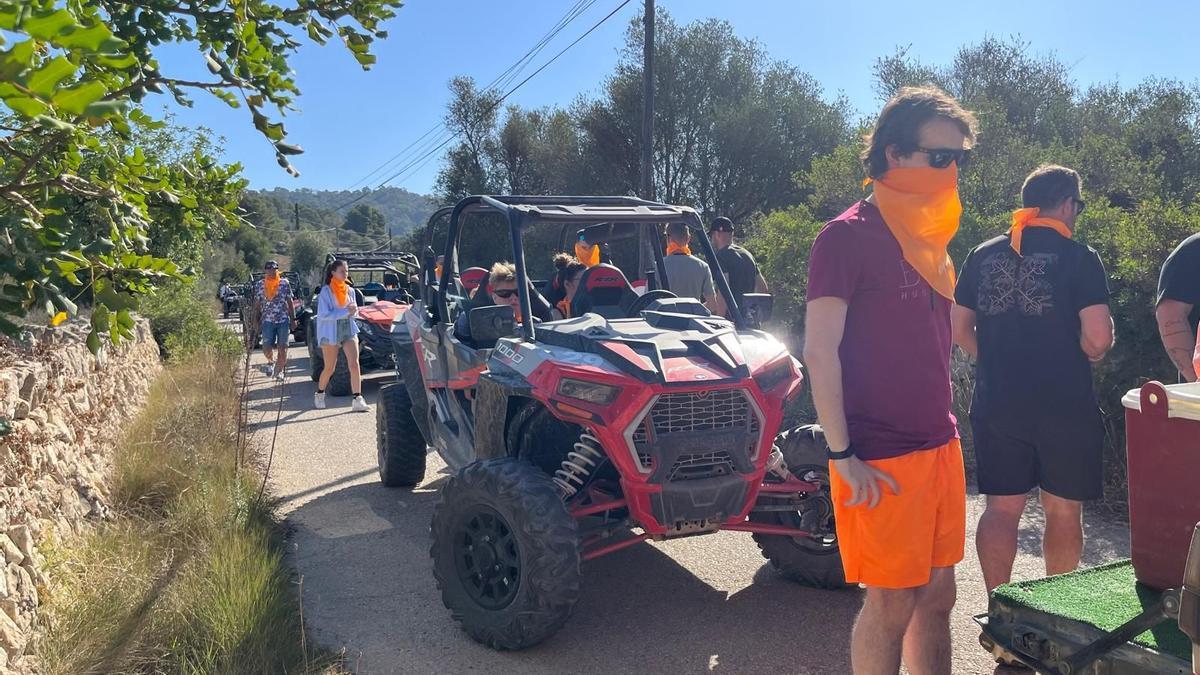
82	201
365	219
182	321
308	252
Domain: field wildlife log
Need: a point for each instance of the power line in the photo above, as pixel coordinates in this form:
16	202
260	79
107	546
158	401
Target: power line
505	96
501	80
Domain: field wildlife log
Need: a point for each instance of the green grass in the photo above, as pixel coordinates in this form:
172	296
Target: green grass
189	576
1104	597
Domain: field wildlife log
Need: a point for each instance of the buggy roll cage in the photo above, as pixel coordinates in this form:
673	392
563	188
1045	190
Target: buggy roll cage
521	211
382	260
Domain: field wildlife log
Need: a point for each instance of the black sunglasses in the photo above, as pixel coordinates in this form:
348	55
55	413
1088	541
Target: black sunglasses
504	292
942	158
1080	205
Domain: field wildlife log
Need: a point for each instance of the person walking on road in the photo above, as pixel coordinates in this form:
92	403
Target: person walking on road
877	347
273	300
336	329
737	263
1178	308
1032	307
689	276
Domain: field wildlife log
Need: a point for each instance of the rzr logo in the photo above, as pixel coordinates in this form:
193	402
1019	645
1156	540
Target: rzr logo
509	353
604	280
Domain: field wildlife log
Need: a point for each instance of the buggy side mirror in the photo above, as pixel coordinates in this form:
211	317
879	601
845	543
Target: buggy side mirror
1189	599
489	324
757	308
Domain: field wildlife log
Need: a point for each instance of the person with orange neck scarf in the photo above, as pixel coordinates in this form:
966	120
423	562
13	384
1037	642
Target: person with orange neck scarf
273	297
1032	307
689	276
337	307
877	346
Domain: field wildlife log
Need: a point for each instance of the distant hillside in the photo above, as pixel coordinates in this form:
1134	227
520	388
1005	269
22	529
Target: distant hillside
402	210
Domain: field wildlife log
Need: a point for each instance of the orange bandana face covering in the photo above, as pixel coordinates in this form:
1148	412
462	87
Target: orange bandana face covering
340	289
270	287
673	248
588	255
1023	218
920	206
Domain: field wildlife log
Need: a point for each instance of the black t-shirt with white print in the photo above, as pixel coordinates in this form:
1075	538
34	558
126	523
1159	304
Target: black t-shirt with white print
1027	323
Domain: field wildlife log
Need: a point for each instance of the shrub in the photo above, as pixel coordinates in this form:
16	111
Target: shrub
183	319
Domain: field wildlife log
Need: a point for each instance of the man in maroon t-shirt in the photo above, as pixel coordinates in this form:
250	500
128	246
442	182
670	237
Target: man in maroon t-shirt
877	346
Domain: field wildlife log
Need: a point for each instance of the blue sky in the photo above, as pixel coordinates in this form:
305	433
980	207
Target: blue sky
351	121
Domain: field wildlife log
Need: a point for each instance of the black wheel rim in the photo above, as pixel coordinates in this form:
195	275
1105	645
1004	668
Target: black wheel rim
815	514
486	558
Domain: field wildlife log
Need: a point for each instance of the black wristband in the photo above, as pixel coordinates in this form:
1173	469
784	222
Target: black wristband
845	454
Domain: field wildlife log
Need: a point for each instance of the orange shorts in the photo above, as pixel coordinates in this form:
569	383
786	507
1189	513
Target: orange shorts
897	543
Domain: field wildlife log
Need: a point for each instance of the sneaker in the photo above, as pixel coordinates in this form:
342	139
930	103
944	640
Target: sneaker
279	376
267	369
360	404
319	401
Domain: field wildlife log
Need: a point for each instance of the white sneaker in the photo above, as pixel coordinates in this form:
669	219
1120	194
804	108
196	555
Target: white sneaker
319	401
360	404
279	376
267	369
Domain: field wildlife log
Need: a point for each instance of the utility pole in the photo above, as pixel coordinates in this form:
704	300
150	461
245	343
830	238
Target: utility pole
647	188
648	102
296	216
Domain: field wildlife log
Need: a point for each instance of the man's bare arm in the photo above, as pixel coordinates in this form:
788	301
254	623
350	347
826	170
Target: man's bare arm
1178	336
962	320
760	284
1096	332
824	325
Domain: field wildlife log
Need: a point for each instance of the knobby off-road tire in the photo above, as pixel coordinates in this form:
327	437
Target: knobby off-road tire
813	561
520	587
400	446
300	334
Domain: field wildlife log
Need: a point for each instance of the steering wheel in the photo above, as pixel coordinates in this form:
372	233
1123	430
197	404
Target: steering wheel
647	299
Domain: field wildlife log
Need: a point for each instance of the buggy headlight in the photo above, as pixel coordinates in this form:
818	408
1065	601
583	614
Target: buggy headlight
587	391
774	376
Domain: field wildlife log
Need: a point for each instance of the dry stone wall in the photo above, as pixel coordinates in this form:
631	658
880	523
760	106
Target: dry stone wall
65	409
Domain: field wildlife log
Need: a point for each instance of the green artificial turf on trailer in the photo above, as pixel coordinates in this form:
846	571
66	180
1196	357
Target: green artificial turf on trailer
1104	597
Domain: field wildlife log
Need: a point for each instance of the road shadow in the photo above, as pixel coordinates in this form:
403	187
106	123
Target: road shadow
363	551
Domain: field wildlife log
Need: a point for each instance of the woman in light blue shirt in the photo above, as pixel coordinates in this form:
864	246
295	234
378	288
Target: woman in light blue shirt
336	329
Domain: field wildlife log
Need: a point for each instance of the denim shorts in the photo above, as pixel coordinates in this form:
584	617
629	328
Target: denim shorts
276	334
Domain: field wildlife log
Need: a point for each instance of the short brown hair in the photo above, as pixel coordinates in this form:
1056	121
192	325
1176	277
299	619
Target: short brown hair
678	231
900	124
503	272
1049	185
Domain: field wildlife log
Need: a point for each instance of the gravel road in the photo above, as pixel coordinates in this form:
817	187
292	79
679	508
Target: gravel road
694	605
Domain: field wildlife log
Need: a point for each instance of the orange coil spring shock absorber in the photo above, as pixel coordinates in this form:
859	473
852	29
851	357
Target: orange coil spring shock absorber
577	468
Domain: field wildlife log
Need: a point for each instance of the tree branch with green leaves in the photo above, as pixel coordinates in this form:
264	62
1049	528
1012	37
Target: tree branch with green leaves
81	201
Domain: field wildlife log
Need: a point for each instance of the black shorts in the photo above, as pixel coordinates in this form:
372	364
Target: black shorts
1062	454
